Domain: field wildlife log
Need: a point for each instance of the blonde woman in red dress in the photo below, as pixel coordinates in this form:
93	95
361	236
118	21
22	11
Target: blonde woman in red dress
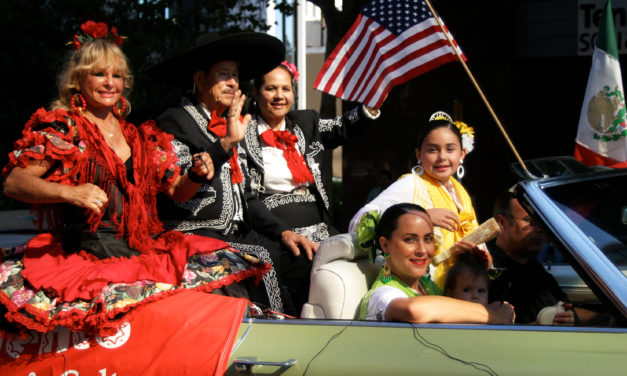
93	177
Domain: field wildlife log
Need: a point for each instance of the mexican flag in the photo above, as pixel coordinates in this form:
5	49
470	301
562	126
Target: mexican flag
602	133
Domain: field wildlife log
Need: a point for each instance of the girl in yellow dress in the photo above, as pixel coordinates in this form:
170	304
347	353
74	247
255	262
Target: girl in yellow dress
441	148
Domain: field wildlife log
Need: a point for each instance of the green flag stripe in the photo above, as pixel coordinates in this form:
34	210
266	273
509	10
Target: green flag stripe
606	39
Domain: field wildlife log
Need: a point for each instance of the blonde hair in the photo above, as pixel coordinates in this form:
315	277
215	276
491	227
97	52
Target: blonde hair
96	54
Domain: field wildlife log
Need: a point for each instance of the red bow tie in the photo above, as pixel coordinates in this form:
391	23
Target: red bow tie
217	126
286	141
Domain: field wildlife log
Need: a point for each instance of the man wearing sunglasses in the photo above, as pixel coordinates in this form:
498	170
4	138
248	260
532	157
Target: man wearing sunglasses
523	281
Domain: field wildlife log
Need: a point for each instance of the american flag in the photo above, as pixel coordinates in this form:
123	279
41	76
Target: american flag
391	42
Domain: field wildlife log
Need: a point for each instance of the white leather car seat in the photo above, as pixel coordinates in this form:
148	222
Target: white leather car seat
340	276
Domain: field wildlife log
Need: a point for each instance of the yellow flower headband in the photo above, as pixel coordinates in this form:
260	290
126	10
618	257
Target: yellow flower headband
468	133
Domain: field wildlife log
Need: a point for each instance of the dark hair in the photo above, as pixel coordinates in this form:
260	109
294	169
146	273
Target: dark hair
464	262
503	204
258	81
435	124
389	219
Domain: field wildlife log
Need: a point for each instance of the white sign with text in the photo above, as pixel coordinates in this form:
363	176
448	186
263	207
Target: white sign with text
589	13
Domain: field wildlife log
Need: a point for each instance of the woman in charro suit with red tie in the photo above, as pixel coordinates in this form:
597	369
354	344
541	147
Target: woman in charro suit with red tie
286	149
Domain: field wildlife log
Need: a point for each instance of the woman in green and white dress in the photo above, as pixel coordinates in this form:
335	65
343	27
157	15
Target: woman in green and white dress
403	290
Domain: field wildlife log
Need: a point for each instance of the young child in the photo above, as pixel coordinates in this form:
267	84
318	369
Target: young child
441	147
467	279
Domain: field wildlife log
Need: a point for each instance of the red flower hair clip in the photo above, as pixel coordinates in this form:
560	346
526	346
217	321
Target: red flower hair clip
481	257
292	68
91	30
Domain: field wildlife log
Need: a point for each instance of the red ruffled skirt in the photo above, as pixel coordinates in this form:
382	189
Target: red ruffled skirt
41	286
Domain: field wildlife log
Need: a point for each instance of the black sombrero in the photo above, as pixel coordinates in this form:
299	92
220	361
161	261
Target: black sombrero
257	54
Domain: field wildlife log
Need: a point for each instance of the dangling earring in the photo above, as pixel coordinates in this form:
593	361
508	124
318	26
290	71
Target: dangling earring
387	272
417	169
194	89
460	170
78	103
119	112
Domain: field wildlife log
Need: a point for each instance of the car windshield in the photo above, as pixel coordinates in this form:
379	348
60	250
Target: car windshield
599	209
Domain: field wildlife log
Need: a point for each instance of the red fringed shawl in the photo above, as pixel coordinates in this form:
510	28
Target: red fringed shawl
72	141
79	150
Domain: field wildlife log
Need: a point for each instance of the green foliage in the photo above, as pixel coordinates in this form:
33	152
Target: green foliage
286	7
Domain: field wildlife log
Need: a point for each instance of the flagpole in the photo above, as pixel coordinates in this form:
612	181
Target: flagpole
474	82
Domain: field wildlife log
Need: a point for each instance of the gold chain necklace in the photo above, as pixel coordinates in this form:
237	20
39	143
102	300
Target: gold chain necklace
101	127
109	133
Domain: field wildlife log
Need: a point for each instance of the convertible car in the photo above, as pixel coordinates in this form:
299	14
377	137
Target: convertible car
583	210
585	213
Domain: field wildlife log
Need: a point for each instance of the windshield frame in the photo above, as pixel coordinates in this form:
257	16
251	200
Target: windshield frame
595	265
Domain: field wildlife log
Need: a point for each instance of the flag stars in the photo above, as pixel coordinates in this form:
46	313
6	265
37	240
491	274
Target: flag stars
395	17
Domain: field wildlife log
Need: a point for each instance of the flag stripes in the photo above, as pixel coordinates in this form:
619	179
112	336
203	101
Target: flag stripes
370	59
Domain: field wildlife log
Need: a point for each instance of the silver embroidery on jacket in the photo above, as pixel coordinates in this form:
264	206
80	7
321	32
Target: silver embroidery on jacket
315	233
183	154
223	222
301	139
353	115
195	205
316	147
252	142
328	125
200	120
269	279
280	199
